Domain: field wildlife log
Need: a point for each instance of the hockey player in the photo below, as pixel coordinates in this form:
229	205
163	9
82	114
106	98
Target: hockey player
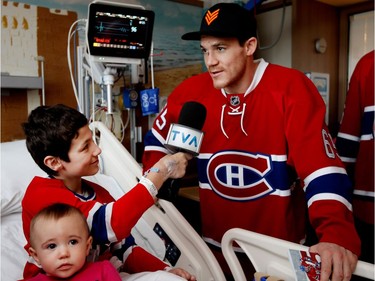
265	142
355	144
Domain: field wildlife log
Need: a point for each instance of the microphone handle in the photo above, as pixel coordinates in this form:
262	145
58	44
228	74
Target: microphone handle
170	188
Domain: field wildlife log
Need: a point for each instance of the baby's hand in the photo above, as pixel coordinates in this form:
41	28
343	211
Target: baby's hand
182	273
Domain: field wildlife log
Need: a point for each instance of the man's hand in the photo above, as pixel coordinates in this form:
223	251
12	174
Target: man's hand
338	263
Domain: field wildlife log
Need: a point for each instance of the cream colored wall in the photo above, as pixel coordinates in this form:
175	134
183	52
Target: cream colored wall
19	39
269	24
19	44
361	38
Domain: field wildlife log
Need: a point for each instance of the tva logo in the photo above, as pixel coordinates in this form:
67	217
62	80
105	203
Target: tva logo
184	138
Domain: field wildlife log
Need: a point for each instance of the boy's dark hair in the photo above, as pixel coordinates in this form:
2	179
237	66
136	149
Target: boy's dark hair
50	130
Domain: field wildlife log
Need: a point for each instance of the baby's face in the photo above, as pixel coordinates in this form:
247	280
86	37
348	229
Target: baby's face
61	246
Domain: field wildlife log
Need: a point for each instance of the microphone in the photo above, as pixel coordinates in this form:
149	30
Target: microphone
186	135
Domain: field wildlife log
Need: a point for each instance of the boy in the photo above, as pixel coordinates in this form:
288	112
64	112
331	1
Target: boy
60	142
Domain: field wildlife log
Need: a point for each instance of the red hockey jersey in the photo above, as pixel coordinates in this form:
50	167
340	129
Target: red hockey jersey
260	150
355	140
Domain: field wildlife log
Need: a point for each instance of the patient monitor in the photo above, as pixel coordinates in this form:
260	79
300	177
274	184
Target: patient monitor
118	35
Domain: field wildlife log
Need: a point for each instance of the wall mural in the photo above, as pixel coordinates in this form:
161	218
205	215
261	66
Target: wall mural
174	58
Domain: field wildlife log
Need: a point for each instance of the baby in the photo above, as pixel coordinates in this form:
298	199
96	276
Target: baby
60	242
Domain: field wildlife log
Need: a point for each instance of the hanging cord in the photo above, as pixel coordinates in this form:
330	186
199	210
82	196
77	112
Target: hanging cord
152	65
70	35
280	31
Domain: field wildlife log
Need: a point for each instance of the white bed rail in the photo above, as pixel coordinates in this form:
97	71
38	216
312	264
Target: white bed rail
118	163
269	255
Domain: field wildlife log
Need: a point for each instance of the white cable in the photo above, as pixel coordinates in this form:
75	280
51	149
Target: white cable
40	60
70	63
124	126
152	65
122	130
279	34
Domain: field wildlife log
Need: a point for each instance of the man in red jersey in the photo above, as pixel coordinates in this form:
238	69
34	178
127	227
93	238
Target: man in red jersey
355	144
265	143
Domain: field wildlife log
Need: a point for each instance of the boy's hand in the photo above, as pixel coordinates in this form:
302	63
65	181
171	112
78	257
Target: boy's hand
183	273
173	165
170	166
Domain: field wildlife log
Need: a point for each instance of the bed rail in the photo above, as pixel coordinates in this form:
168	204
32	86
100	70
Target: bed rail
195	256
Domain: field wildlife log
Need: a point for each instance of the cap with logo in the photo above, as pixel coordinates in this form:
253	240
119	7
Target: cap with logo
226	20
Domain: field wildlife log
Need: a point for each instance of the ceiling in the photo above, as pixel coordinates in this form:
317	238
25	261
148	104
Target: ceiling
341	3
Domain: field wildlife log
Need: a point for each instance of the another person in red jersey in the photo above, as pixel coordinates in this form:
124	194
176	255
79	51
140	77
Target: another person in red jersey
355	144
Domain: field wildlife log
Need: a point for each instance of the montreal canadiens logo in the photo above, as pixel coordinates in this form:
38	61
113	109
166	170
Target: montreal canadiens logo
239	176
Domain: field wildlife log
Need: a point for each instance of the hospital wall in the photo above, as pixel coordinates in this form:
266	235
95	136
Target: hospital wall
28	31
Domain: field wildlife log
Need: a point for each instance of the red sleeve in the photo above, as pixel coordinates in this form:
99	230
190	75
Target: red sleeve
330	220
128	209
149	261
360	94
154	141
327	187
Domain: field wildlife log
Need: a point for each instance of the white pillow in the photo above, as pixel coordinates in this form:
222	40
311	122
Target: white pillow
17	170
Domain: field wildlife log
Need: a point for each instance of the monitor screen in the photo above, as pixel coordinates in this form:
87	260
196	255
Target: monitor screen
115	30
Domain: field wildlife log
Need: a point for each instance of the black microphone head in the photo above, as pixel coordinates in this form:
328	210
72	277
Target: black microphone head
193	115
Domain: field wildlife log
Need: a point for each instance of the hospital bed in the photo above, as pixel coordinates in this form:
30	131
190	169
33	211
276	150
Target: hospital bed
270	255
162	229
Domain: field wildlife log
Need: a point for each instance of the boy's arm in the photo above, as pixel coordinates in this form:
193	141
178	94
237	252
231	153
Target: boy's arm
139	260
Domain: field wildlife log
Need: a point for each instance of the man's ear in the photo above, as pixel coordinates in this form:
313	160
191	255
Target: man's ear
33	253
251	46
53	163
